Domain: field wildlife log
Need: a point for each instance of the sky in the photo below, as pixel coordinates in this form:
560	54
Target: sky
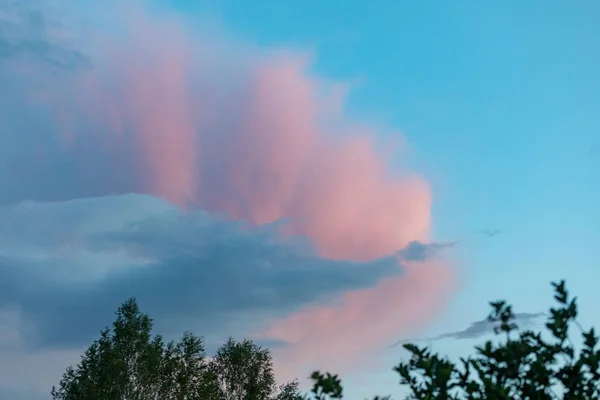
325	180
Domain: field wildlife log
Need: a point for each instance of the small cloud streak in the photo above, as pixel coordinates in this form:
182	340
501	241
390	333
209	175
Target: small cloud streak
489	233
479	328
417	251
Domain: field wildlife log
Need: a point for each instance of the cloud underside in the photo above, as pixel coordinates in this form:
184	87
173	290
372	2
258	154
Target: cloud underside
220	183
70	264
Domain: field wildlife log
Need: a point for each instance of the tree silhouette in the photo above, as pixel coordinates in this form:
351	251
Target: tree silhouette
523	365
127	362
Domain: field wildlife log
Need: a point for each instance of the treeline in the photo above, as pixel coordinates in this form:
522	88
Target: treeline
127	362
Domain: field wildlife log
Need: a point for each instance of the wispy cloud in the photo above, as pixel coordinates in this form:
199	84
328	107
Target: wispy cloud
478	329
489	233
30	35
418	251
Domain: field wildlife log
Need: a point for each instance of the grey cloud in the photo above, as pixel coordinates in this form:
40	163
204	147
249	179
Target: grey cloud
479	328
52	54
25	32
181	267
8	393
29	376
419	251
34	61
271	343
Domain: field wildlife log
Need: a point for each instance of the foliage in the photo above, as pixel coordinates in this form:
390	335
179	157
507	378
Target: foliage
244	371
128	363
524	365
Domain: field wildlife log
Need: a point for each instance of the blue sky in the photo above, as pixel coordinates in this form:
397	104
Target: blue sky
498	102
499	105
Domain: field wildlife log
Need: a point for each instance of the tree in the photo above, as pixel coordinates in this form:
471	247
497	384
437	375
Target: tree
127	362
289	391
523	365
244	370
187	367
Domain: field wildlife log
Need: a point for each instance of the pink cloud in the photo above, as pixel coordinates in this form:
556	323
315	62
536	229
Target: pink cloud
206	123
347	335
